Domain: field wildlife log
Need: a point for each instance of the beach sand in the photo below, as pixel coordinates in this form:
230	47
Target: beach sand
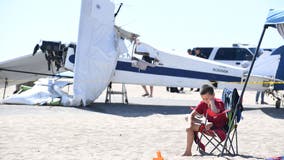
129	132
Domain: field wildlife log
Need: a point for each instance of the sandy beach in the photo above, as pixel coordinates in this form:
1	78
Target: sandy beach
129	132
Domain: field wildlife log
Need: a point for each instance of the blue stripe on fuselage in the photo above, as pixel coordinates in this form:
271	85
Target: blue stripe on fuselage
164	71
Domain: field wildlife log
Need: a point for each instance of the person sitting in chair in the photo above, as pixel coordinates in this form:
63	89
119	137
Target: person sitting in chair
208	107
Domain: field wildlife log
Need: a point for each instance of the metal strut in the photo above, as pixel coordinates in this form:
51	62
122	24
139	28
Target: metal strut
6	84
36	73
118	10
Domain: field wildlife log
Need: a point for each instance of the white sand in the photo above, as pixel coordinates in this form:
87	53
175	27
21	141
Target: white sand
129	132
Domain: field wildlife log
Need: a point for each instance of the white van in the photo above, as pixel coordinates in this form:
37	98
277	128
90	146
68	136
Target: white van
236	56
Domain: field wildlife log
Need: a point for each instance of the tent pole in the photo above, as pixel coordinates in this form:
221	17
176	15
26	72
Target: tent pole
245	85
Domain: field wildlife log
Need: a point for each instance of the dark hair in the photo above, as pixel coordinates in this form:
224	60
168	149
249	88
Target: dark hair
206	89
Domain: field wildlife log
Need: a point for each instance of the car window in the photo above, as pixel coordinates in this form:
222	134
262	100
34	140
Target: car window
245	55
253	50
233	54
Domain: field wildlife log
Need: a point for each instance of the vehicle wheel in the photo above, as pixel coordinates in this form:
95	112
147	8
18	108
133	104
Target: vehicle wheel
277	104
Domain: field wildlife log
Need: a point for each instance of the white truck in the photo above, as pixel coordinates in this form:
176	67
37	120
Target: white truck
237	55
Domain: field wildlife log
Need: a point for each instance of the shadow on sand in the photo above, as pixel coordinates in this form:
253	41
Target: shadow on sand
228	157
273	112
243	157
136	110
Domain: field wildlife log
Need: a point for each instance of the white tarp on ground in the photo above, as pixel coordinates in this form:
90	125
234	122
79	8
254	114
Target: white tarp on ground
43	92
96	55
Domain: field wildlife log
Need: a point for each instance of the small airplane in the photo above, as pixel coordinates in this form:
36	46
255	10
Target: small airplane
98	60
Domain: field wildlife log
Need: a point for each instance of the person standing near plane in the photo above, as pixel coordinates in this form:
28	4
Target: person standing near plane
261	93
148	59
146	91
189	52
197	52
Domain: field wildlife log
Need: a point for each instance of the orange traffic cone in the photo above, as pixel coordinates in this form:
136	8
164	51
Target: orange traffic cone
159	156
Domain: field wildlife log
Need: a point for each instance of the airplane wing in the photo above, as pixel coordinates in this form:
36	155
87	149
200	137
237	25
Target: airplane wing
266	82
26	68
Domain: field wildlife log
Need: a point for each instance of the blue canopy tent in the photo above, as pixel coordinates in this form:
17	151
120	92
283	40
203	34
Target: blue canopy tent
274	19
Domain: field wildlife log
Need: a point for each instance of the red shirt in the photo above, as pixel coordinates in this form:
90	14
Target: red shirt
219	120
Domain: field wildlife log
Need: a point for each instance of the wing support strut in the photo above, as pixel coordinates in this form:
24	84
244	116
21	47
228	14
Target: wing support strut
5	87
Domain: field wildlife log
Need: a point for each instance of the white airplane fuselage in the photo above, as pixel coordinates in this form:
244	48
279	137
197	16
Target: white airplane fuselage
178	71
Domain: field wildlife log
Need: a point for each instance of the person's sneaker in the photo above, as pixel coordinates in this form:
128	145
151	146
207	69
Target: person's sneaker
264	103
256	102
144	95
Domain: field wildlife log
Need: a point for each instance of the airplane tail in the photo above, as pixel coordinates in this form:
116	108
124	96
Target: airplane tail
280	69
271	65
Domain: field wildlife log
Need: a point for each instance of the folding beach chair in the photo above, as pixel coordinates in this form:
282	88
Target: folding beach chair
214	138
